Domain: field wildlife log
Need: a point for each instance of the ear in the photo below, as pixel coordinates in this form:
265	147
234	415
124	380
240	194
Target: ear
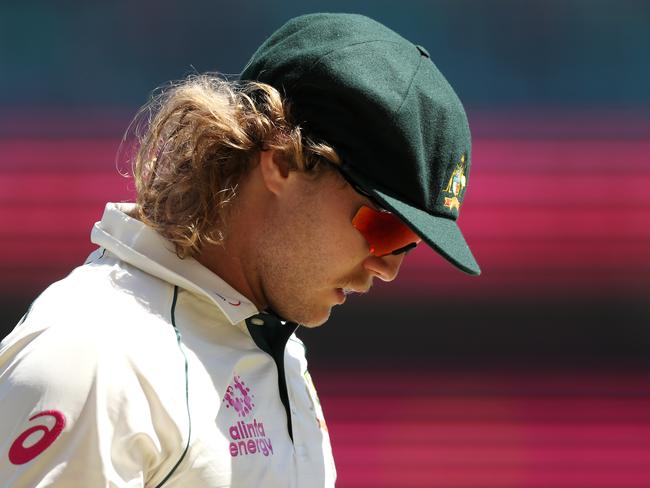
275	172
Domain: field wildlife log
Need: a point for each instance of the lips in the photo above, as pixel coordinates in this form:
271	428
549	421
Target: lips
340	295
350	291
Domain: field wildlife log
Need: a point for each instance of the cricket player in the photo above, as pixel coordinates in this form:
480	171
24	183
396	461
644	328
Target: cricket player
169	359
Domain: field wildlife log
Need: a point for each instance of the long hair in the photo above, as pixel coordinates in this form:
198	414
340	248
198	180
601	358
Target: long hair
195	140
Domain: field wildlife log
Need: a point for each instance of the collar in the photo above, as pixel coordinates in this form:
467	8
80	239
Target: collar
141	246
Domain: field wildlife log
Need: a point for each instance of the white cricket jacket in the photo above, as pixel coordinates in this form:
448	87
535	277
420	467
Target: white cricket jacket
142	369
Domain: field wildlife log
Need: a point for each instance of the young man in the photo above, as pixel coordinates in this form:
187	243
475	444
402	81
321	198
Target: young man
169	358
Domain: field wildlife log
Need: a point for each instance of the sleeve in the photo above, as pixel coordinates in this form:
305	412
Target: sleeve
79	410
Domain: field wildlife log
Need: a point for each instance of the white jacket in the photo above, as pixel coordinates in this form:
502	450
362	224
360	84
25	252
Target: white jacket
142	369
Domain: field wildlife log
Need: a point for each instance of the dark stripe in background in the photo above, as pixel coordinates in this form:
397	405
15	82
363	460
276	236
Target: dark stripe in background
534	375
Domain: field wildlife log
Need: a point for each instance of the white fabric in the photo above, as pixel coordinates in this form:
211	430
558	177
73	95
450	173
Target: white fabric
98	359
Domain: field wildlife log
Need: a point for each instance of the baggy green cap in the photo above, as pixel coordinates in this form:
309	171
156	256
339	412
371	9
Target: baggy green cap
382	104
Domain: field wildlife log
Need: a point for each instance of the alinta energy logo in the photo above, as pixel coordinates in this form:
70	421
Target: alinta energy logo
247	437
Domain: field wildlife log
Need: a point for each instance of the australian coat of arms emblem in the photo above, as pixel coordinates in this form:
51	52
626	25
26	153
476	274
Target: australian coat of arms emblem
455	186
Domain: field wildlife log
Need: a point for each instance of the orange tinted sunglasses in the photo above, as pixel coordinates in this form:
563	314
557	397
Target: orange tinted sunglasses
384	232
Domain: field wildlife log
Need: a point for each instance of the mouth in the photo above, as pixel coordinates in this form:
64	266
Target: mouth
341	296
352	291
343	292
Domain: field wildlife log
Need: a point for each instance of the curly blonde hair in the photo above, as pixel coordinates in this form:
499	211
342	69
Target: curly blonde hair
196	139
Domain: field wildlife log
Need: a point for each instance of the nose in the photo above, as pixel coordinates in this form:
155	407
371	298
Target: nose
384	268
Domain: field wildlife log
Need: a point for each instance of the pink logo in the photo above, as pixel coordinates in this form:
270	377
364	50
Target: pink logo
239	397
22	452
234	304
248	436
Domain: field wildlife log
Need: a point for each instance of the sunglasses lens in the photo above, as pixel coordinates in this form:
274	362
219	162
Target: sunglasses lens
383	231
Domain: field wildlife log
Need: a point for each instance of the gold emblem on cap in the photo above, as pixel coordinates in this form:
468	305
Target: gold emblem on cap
457	183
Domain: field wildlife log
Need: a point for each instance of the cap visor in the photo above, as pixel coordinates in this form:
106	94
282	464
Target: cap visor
440	233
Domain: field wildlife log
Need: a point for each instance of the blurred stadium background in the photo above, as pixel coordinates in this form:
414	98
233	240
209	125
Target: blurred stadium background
536	374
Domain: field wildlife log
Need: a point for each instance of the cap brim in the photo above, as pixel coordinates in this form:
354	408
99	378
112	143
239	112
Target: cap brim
441	233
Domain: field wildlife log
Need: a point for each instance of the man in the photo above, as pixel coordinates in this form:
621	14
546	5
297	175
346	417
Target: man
169	358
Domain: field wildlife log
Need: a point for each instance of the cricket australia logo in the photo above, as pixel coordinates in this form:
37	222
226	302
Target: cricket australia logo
247	435
456	185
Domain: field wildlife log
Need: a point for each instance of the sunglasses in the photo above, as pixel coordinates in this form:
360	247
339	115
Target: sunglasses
384	232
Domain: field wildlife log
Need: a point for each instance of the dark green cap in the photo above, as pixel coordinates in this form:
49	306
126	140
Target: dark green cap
382	104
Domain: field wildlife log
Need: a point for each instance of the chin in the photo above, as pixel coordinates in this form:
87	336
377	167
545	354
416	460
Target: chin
310	320
313	324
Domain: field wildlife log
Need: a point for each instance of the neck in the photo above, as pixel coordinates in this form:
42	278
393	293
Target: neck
231	267
233	260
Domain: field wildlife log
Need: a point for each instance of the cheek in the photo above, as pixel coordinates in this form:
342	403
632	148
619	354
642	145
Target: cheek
322	244
320	252
343	248
342	242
